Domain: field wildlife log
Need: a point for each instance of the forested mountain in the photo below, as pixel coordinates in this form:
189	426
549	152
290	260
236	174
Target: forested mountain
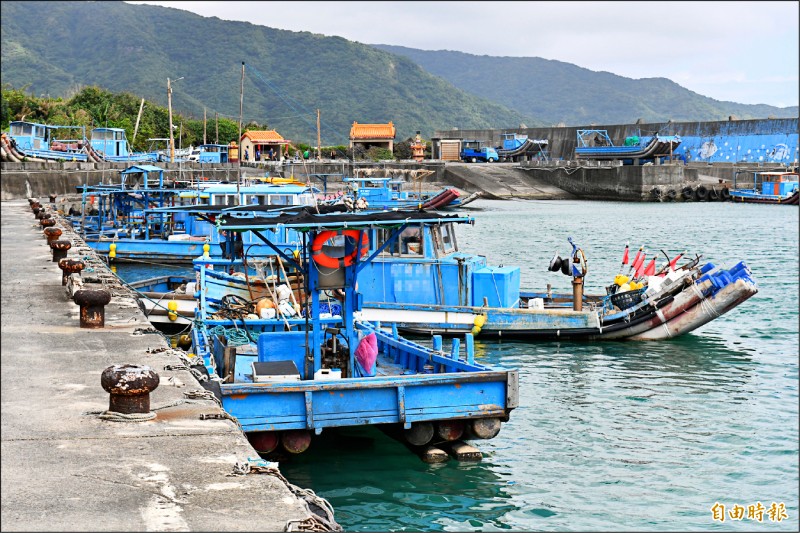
557	92
55	47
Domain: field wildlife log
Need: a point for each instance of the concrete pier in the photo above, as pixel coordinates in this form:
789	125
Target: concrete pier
64	468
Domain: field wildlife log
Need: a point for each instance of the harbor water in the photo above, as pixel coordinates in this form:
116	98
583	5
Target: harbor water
639	436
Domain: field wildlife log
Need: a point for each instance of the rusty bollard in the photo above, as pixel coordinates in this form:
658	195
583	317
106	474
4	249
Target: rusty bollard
53	198
130	387
92	303
36	211
36	204
47	222
30	201
51	233
70	266
60	249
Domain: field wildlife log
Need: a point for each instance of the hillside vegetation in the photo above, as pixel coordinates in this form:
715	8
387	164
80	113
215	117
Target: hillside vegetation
54	48
557	92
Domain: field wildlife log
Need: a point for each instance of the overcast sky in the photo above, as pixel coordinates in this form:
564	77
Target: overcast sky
745	52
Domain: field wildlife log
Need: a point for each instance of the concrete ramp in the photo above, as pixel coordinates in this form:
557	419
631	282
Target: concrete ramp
498	180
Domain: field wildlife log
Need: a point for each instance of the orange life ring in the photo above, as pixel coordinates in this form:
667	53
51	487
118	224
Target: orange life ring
337	262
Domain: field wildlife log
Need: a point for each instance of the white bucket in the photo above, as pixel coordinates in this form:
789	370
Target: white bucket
536	303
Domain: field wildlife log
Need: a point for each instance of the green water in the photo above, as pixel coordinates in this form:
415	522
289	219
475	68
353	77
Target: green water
608	436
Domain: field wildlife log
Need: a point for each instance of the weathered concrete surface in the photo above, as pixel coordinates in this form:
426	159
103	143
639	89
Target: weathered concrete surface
502	180
66	470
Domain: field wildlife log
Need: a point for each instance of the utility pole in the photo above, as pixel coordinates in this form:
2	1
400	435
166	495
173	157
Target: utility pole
319	147
239	139
171	136
171	140
216	125
204	125
136	128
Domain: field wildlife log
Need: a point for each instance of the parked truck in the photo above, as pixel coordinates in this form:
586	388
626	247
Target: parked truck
473	152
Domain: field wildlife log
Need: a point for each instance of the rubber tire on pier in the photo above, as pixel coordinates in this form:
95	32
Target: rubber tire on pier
701	194
713	195
687	193
670	196
655	194
725	195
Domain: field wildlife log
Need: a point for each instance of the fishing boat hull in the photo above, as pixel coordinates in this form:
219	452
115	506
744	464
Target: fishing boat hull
689	305
751	197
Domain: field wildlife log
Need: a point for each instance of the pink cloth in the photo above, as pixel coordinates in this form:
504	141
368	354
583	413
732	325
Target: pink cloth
367	353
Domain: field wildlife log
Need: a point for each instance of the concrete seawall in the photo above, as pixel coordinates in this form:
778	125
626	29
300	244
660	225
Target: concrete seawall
64	468
549	180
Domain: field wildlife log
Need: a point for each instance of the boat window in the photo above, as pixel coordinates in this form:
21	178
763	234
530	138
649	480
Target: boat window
409	242
448	239
21	129
118	135
280	199
224	199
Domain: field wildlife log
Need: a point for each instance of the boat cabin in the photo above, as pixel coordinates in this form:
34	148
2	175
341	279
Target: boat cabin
110	142
777	183
212	153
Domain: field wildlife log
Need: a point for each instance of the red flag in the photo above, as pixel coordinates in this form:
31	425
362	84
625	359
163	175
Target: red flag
651	268
625	255
637	256
674	261
638	260
638	266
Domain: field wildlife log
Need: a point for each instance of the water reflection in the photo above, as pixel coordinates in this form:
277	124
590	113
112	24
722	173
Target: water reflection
397	487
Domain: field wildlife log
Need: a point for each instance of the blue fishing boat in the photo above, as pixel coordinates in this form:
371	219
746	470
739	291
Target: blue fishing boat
111	144
768	188
146	219
597	145
423	284
286	376
388	193
210	153
518	147
32	141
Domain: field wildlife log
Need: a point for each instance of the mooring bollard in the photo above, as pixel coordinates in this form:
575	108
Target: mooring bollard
36	204
51	233
60	249
70	266
129	386
47	222
36	211
92	304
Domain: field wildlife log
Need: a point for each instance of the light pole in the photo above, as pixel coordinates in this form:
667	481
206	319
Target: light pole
171	137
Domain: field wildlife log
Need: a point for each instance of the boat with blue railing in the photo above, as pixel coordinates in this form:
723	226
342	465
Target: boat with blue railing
288	375
768	188
421	282
390	193
147	219
424	284
111	144
32	141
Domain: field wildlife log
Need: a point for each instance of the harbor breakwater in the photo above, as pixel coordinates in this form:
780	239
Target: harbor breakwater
543	180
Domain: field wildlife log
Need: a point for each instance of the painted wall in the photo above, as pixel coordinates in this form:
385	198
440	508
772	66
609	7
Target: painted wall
774	141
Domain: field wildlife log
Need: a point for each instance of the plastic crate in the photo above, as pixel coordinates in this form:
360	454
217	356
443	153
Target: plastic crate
624	300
